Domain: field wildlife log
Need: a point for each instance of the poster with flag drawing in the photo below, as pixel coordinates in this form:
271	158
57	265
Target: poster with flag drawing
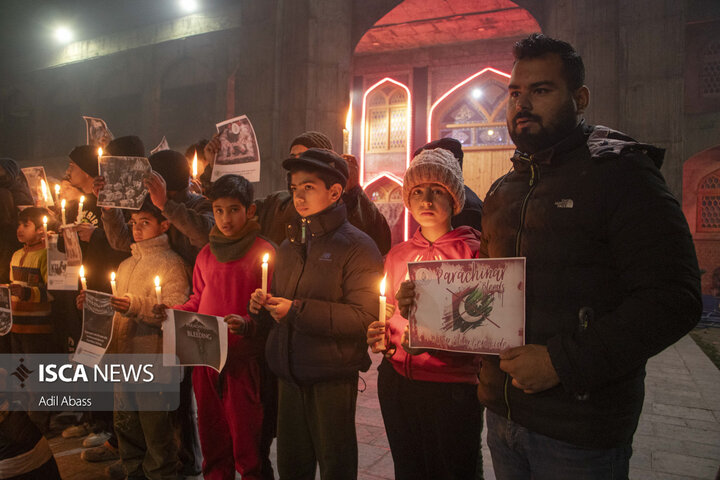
239	153
97	132
474	306
5	310
97	328
192	339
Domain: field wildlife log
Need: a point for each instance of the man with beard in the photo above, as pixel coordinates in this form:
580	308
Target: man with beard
612	278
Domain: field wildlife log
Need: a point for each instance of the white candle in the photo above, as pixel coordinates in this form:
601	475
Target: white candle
112	284
80	209
62	206
265	272
381	313
83	281
194	166
158	290
47	241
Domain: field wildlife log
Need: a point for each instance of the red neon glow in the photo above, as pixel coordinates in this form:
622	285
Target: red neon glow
364	127
449	92
393	178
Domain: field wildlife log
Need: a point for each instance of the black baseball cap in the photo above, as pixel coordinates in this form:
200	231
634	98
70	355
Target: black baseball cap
320	159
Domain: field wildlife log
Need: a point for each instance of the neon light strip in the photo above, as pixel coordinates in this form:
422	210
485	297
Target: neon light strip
393	178
363	127
449	92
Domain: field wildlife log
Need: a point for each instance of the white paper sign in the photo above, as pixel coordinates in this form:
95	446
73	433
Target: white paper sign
97	132
163	145
35	177
5	311
475	306
63	274
239	153
124	181
191	338
97	328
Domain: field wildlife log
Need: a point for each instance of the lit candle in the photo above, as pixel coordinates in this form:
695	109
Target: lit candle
112	284
62	206
43	187
100	152
158	290
194	166
381	313
265	272
83	281
80	209
47	244
57	192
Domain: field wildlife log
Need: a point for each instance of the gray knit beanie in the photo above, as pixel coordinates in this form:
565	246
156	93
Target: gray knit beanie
312	140
436	166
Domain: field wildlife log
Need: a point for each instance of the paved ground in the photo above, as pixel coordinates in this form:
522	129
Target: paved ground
678	437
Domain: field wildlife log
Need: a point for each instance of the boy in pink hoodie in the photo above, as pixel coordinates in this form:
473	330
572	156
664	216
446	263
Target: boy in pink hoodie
227	271
428	401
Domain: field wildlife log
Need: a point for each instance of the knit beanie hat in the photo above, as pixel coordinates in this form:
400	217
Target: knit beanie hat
85	157
173	167
448	143
436	166
127	146
312	140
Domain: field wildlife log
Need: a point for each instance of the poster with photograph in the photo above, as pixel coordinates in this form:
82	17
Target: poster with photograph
96	329
62	275
5	310
475	306
36	178
124	185
239	153
163	145
72	245
97	132
191	338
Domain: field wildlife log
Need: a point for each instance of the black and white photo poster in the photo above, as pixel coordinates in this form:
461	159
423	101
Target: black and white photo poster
5	310
63	273
239	153
96	329
97	132
191	338
124	185
36	177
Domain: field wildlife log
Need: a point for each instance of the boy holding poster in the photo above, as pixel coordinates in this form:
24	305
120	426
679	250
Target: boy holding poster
428	401
227	271
145	438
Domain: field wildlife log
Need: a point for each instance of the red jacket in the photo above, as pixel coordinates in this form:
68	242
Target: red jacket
438	366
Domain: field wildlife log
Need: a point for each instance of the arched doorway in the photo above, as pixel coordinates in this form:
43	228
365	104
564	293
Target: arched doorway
439	52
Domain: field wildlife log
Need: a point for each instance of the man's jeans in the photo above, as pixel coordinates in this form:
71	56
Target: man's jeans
519	454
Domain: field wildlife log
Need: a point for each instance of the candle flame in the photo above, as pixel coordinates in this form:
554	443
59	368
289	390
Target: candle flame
100	151
82	271
157	281
44	189
194	165
45	221
382	286
57	189
112	276
62	204
82	199
266	257
348	119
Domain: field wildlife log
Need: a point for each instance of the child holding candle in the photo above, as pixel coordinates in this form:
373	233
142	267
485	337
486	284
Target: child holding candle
227	271
428	398
32	330
146	440
321	300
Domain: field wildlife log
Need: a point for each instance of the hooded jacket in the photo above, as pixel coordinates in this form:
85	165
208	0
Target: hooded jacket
612	279
14	191
331	272
437	366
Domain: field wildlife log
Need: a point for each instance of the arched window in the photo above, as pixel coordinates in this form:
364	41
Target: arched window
708	206
387	120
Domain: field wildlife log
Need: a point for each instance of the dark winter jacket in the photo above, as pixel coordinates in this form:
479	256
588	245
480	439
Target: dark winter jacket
333	280
471	214
277	210
191	219
14	191
612	279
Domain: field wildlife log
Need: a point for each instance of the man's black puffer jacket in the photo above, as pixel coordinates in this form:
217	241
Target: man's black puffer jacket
612	279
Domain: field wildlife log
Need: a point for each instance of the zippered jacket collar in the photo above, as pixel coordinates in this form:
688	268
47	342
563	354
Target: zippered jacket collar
316	225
